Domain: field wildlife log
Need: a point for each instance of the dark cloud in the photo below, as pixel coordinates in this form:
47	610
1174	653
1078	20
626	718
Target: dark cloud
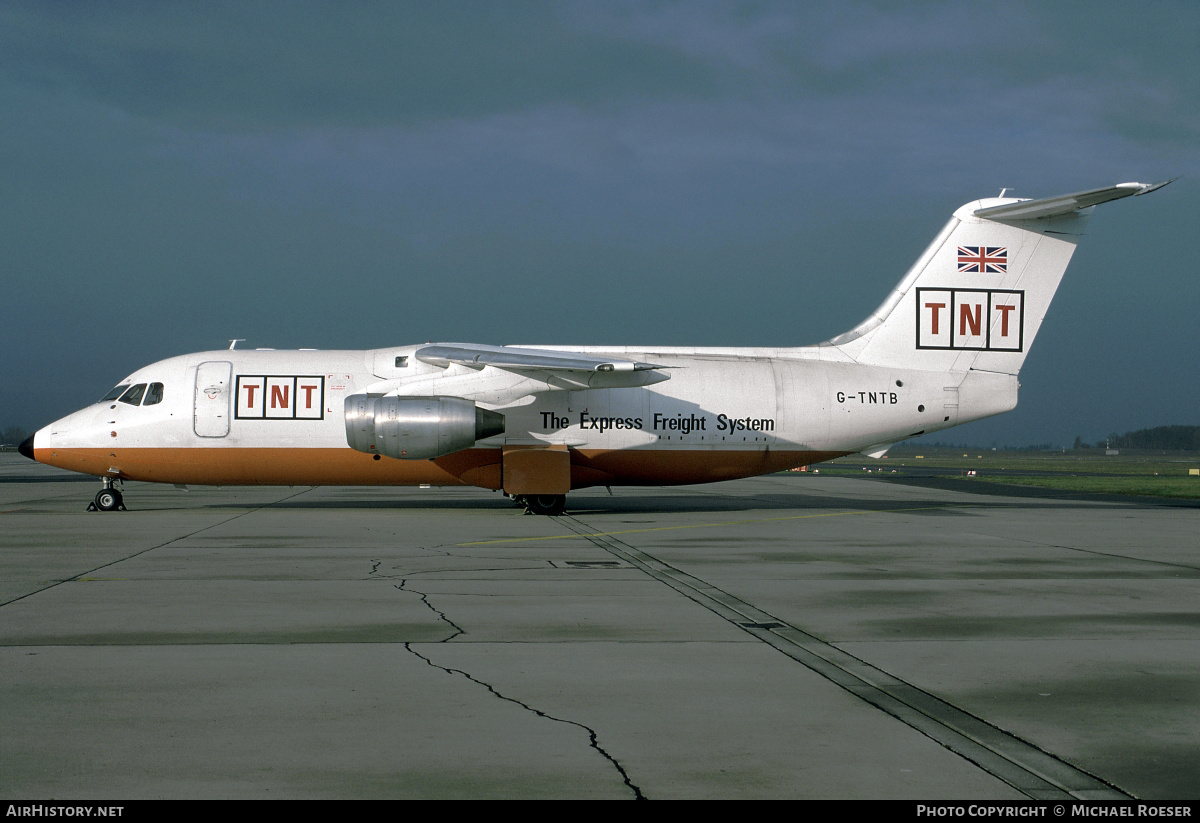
260	66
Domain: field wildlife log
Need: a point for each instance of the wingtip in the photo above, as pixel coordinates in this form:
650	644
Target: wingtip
1146	188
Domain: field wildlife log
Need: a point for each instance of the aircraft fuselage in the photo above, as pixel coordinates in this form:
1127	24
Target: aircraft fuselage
279	417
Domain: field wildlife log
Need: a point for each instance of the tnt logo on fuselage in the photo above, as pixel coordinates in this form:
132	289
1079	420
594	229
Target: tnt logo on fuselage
280	397
972	319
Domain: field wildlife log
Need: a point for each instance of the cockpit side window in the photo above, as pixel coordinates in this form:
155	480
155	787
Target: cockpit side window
116	392
134	395
153	394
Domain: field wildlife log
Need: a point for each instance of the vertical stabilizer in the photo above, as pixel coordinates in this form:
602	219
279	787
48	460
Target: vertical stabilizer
977	296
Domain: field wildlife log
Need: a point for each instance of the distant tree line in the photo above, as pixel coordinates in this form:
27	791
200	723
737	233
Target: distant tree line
938	444
13	435
1161	438
1169	438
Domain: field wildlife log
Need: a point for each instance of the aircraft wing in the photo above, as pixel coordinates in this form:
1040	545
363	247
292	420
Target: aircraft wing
1065	203
576	367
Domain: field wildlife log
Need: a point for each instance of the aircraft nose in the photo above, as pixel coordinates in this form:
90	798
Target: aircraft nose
26	447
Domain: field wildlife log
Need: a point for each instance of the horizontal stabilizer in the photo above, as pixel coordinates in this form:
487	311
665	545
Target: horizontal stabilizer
1065	203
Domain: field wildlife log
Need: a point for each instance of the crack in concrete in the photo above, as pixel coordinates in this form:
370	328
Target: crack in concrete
593	739
405	574
441	615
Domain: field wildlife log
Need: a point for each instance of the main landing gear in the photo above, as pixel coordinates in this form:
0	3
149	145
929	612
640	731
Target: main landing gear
550	504
108	499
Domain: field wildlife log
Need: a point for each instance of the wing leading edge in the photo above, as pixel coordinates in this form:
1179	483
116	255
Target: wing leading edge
611	372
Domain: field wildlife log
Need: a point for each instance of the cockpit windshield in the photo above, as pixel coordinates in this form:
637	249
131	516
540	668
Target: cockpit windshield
133	395
136	395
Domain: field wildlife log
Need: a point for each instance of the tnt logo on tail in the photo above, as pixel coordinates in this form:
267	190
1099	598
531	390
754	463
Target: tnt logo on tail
970	319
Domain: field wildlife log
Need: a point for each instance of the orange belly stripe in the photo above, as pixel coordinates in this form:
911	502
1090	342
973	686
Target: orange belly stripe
230	466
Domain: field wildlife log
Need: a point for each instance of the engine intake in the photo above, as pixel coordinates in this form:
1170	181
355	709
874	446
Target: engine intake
417	428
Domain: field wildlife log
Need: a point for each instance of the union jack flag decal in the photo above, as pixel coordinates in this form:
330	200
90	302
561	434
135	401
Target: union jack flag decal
982	259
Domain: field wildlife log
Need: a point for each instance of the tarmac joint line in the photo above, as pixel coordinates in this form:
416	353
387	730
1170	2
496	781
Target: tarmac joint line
589	535
1027	768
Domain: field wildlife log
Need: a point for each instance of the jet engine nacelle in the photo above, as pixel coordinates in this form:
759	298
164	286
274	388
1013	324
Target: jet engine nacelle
417	428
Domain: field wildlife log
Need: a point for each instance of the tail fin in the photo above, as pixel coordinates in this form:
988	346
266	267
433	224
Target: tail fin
977	296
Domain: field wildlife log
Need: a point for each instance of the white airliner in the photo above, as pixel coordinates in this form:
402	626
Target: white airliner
944	348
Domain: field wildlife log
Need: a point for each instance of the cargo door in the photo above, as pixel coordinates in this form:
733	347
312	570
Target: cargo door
213	398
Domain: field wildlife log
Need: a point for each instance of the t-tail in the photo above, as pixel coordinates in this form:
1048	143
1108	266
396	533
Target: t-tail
975	299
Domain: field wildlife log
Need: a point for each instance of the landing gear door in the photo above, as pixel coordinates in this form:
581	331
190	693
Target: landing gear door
213	398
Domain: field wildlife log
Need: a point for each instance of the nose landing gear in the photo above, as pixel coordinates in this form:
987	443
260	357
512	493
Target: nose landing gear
108	499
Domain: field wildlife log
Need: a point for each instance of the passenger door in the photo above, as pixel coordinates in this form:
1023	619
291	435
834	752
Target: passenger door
213	398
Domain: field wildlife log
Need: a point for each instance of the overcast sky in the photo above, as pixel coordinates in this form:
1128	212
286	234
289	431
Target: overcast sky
363	175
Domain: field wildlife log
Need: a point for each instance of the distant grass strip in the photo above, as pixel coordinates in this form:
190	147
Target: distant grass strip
1178	487
1144	474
